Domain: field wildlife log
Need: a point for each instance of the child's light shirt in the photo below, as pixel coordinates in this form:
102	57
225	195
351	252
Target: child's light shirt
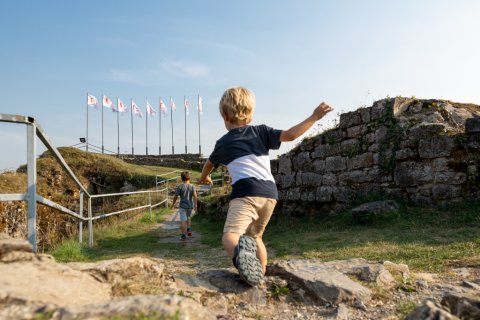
185	191
244	151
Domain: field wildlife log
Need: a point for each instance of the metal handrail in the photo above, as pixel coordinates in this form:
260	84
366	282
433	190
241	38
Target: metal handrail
35	130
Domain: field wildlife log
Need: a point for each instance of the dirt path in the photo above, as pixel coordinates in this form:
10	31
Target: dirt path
192	256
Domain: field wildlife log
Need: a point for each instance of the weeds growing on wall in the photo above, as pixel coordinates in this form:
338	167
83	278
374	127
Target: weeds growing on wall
390	143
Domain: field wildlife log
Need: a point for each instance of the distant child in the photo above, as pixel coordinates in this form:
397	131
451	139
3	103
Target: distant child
188	202
244	150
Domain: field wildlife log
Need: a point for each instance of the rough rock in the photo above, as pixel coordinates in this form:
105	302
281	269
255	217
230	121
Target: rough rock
464	306
322	282
341	313
43	281
401	268
14	249
124	273
472	125
161	307
127	187
371	210
364	271
430	311
226	281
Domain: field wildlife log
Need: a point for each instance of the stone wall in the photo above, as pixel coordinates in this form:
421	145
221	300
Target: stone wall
420	151
189	161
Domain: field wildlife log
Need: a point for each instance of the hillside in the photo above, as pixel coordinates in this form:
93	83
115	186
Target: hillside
98	173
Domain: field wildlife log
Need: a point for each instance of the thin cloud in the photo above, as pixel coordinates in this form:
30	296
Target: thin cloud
121	76
184	69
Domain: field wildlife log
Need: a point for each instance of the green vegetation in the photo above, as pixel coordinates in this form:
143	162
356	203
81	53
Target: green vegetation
275	291
404	308
118	239
429	239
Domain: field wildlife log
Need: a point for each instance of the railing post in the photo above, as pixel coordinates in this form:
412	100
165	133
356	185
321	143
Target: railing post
32	185
80	225
150	204
90	223
166	196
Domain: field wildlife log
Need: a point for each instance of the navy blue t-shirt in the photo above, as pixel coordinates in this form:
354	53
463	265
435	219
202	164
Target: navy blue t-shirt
244	151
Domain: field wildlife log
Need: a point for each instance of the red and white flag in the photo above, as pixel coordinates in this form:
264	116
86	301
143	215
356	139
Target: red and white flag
92	101
121	107
107	103
185	102
172	104
200	106
150	111
136	110
163	107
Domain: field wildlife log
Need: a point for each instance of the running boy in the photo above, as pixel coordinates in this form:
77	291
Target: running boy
244	149
188	202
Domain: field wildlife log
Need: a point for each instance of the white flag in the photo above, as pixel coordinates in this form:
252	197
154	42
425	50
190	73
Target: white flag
92	101
185	102
150	111
172	104
121	107
163	107
200	106
107	103
136	110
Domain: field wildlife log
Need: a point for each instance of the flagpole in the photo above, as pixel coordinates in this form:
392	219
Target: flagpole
199	140
86	145
160	127
171	123
146	129
131	120
185	107
102	123
118	129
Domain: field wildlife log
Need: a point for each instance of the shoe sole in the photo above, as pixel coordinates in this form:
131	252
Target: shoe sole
249	267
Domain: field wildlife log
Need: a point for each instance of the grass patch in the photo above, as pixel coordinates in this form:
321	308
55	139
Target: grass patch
120	239
427	239
404	308
211	231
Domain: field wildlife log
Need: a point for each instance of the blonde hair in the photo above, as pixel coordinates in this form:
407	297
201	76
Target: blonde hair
237	104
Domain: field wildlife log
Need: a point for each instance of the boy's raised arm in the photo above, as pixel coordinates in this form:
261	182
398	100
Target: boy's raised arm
299	129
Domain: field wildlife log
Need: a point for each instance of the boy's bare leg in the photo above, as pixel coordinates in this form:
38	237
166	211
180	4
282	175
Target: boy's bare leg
189	223
262	253
230	241
183	226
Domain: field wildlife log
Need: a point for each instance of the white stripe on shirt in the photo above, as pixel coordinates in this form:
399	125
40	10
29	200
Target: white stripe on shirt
250	166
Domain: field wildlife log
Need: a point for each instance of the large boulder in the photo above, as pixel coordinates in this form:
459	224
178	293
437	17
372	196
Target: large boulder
368	211
40	280
126	276
323	282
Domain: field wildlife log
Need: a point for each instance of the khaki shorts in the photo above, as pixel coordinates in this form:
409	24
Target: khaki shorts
249	215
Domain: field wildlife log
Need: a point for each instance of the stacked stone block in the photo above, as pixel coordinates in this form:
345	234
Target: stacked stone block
420	151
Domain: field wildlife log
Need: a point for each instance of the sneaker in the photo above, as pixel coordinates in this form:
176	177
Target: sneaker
246	261
183	238
189	233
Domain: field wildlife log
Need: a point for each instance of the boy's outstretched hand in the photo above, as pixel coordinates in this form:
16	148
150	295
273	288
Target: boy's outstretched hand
321	110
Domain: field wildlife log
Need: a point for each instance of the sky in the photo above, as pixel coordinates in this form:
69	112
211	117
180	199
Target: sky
291	54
